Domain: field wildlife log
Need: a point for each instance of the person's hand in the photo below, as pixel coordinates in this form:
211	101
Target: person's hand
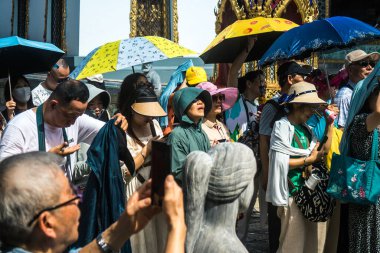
334	108
147	149
214	143
64	149
315	155
139	209
121	120
258	116
173	202
11	106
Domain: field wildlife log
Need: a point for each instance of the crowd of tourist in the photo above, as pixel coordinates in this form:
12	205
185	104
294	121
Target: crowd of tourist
76	177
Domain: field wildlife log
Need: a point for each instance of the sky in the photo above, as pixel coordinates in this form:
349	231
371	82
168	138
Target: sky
196	23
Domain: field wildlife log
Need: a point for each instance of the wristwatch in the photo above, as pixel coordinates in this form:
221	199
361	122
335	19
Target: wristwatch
103	245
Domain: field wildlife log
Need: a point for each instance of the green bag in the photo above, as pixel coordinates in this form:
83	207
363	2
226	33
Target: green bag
356	181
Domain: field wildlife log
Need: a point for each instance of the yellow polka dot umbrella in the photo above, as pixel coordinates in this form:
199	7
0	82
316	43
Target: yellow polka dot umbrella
126	53
233	39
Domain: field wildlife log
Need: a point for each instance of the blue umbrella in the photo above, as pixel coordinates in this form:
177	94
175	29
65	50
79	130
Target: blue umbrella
21	56
319	35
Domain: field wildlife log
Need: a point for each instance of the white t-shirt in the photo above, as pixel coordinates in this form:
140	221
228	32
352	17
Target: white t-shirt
40	94
21	135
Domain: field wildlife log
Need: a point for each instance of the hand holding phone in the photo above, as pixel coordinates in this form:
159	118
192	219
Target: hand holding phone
161	158
322	143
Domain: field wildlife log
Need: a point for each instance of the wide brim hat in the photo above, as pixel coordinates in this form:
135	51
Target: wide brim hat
358	55
148	106
303	93
230	94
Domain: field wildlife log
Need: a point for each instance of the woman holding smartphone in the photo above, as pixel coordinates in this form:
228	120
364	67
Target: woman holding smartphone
141	108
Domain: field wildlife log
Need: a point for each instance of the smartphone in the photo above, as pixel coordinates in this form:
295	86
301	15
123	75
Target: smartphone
161	158
322	143
221	140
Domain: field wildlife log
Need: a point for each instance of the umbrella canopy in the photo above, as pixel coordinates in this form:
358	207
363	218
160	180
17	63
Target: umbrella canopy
329	33
21	56
126	53
233	39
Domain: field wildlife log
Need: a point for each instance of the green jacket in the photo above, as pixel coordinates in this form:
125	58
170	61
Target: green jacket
188	136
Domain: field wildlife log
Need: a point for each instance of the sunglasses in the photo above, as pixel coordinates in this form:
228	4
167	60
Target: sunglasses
365	63
220	97
61	80
66	203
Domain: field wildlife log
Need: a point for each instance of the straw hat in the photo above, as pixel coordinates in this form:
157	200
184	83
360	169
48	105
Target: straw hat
305	93
148	106
230	94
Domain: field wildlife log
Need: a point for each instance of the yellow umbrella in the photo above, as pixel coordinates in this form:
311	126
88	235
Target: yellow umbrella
233	39
126	53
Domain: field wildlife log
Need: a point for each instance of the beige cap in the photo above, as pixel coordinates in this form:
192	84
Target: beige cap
358	55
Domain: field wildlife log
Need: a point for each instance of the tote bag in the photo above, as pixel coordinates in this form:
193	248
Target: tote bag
356	181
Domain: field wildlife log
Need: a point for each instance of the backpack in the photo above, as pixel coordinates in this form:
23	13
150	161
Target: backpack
281	112
250	137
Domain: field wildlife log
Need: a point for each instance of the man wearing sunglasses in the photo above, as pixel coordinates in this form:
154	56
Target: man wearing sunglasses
359	65
39	210
57	74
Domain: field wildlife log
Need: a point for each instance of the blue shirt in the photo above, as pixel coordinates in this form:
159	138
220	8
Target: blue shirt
343	100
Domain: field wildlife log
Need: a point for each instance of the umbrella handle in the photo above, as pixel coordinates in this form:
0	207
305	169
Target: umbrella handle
10	86
327	77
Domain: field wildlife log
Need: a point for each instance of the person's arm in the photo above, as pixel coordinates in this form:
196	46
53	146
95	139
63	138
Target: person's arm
178	156
315	156
139	159
238	62
265	130
175	214
12	142
138	213
264	156
373	119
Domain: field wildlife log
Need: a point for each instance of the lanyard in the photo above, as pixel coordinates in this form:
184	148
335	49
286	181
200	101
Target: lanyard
41	135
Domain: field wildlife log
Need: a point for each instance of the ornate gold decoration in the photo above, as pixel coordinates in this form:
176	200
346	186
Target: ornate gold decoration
154	18
261	8
327	8
239	13
175	21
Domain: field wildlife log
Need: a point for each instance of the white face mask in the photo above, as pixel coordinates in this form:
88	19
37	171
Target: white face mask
22	94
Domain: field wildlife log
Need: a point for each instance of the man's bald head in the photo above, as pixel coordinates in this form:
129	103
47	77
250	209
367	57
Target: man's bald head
57	74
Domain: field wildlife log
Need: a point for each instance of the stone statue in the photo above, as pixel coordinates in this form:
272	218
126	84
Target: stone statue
217	186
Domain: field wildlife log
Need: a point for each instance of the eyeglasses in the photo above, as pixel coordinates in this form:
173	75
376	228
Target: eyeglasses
220	97
48	209
365	63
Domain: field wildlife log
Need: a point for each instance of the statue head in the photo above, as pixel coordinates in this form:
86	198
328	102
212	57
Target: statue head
221	177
